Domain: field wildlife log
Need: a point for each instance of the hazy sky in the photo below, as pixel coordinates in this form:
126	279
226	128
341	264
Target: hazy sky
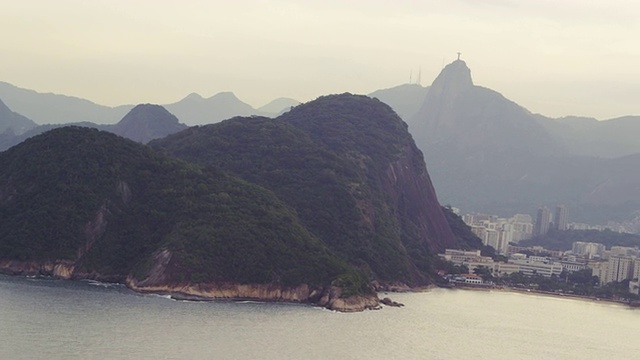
557	57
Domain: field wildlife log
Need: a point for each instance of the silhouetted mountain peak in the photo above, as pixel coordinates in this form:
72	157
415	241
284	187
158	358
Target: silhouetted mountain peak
225	96
150	113
193	97
146	122
279	106
454	78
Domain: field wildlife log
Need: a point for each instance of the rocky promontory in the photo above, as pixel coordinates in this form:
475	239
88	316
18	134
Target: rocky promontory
329	298
316	206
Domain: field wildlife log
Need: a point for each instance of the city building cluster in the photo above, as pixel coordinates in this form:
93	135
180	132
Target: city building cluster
617	264
544	220
499	232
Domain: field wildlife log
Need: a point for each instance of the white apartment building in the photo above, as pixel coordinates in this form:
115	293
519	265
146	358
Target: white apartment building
530	268
619	268
588	249
462	257
572	265
499	232
636	269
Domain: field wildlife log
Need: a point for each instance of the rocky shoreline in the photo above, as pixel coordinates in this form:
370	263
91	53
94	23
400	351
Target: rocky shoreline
330	298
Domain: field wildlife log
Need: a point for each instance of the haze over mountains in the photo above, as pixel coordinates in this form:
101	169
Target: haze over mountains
13	122
488	154
485	153
191	110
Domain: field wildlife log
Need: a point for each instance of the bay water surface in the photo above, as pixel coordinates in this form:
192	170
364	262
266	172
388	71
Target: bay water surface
58	319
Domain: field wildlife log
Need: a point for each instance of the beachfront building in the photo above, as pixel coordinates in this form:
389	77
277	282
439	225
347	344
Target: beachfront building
528	265
571	266
463	257
619	268
514	249
533	267
504	269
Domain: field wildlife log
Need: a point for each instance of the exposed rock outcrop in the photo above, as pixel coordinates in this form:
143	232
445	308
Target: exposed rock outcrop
61	269
331	298
387	301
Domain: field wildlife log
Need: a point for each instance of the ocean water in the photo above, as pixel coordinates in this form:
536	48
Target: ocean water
56	319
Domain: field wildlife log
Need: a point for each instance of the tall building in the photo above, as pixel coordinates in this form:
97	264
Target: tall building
561	220
619	268
542	222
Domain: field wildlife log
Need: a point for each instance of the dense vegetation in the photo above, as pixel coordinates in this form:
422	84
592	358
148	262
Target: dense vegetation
324	159
218	228
333	192
563	239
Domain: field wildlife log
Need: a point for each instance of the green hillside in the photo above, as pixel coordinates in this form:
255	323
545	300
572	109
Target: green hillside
110	204
331	160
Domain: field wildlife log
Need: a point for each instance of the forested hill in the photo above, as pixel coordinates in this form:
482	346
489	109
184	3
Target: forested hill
349	168
114	209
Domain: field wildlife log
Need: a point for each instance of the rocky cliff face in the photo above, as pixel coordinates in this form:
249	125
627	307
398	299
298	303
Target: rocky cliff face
409	186
382	146
62	269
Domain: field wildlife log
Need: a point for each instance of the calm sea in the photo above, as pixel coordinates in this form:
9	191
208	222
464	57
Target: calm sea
55	319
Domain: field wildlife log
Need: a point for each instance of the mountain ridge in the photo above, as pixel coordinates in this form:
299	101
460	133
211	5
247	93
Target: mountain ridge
488	154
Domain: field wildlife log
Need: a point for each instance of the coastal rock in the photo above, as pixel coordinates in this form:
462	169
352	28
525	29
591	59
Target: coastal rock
331	299
61	269
387	301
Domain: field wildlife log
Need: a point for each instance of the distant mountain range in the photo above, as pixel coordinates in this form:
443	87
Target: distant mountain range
143	123
485	153
405	99
56	109
192	110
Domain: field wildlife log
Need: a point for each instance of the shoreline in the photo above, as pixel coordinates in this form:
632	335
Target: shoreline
550	294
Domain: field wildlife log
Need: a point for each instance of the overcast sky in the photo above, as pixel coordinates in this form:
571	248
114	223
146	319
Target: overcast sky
560	57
